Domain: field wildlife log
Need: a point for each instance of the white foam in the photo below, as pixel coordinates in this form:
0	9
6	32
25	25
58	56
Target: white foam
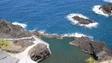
108	1
20	24
42	31
97	10
78	35
74	22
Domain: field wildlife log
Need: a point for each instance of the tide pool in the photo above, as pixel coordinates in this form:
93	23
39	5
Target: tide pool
63	52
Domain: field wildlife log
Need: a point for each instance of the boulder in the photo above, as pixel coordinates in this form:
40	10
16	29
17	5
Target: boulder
39	52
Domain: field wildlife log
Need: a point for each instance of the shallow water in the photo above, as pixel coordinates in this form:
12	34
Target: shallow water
63	52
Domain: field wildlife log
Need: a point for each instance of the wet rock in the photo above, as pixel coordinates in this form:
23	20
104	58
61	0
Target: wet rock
107	9
39	52
82	20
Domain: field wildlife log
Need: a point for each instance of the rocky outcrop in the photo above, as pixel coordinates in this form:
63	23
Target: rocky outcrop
38	34
6	58
8	30
107	9
82	20
19	40
17	46
39	52
98	50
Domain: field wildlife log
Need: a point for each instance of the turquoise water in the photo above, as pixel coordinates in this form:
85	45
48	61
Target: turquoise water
63	52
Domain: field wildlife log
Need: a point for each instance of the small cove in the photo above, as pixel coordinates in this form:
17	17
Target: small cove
63	52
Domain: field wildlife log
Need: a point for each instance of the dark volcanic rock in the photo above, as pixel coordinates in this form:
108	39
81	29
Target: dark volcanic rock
98	50
38	34
107	8
39	52
8	30
82	20
19	39
6	58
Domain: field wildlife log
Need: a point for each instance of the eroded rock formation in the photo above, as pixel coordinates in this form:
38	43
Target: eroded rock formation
39	52
98	50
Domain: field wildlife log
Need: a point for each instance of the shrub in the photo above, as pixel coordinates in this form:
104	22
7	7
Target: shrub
4	44
91	60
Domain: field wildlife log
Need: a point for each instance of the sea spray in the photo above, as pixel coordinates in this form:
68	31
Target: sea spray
108	1
76	34
97	10
20	24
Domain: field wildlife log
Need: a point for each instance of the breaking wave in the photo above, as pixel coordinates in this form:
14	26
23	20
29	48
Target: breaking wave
76	34
74	22
97	10
20	24
108	1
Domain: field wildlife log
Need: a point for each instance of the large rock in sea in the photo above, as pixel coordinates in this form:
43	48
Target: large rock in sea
98	50
83	20
6	58
39	52
107	9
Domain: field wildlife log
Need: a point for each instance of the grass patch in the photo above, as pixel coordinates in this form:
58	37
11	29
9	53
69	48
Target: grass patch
91	60
4	45
12	52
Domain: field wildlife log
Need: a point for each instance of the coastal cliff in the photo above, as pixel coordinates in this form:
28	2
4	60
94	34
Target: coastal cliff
18	42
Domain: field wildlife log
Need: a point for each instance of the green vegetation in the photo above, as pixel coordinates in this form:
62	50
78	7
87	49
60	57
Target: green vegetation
4	45
91	60
12	52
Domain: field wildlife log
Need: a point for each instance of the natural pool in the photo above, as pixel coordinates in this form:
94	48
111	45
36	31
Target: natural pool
63	52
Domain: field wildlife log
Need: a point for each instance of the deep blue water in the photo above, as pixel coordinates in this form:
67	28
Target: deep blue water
50	15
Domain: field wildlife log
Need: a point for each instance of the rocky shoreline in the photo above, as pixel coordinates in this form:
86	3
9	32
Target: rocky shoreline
19	42
98	50
30	46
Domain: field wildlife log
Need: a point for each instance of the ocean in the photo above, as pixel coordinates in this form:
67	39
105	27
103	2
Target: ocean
50	16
